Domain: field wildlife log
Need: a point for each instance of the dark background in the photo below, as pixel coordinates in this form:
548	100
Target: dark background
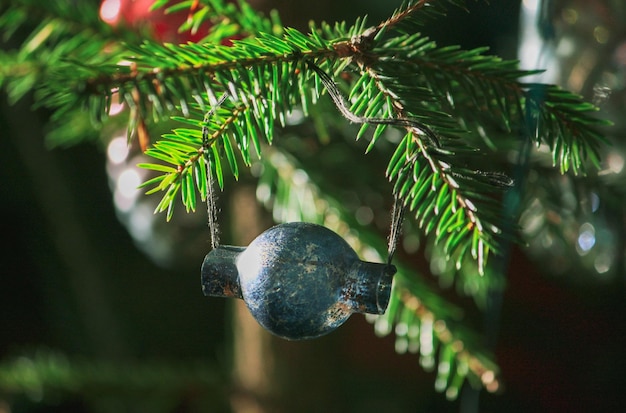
72	281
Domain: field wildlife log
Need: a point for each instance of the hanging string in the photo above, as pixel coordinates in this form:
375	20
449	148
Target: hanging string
212	210
342	105
397	218
211	196
397	213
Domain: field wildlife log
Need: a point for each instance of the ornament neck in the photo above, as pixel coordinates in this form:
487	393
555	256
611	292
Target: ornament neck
369	287
220	277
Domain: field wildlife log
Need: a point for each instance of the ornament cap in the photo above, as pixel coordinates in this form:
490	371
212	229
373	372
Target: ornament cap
220	277
369	287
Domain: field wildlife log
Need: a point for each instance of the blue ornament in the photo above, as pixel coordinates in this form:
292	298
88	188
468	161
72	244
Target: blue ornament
299	280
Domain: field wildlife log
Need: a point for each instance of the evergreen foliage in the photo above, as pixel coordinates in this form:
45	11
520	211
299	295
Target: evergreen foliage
48	373
437	120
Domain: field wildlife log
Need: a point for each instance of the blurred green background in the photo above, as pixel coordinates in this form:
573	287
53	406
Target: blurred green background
118	333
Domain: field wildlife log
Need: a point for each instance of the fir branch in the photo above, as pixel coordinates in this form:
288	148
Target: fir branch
452	200
567	125
424	322
373	107
561	119
490	83
185	151
167	76
65	34
442	343
70	16
420	9
225	20
454	203
48	375
192	63
494	86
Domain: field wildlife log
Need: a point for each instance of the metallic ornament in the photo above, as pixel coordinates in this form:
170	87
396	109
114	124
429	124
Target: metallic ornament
299	280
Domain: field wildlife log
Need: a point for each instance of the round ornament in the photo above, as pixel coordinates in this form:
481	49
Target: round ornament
299	280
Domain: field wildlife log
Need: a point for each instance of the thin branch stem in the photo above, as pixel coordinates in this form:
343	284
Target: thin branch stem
399	17
434	164
443	332
116	80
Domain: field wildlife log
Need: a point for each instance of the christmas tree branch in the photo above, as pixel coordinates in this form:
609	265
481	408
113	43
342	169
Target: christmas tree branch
452	349
63	36
50	376
404	81
494	87
435	177
225	20
415	12
457	203
424	322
